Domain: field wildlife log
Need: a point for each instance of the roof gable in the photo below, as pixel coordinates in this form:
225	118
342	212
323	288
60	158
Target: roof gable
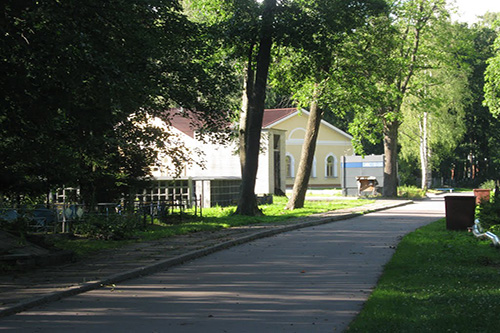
190	122
182	123
273	117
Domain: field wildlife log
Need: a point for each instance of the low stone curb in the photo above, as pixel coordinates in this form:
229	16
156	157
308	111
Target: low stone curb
168	263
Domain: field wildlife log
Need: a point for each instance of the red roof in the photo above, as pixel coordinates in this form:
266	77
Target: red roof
183	120
188	122
273	115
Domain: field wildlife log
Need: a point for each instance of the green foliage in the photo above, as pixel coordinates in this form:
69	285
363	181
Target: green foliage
307	62
489	184
77	76
409	172
482	128
437	281
377	65
495	229
309	40
488	213
492	81
489	20
26	202
111	227
411	192
441	94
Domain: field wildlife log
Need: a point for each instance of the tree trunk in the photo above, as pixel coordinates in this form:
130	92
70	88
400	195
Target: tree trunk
429	168
247	204
423	151
306	159
247	93
390	157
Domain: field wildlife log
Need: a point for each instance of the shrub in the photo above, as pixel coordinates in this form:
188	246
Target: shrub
113	226
495	229
488	213
489	184
411	192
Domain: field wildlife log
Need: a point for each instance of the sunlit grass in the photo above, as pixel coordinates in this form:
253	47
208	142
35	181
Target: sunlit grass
437	281
276	211
411	192
215	218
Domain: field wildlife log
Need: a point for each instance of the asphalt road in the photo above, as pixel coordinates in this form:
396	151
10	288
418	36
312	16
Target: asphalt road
309	280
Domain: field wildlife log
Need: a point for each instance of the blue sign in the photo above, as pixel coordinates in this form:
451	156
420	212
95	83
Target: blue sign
379	164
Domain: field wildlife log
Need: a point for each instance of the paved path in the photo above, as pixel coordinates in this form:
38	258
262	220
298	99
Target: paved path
308	280
20	291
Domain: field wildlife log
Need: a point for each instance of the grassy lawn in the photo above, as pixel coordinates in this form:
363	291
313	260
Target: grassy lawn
437	281
213	219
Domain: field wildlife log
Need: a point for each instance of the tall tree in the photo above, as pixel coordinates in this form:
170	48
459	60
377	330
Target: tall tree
492	80
74	73
476	159
308	64
380	63
253	110
247	30
489	19
433	110
434	122
309	25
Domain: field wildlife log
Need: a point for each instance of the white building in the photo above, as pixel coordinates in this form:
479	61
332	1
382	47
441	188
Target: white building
217	175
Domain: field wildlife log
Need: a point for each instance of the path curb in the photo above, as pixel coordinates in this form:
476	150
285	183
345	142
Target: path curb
168	263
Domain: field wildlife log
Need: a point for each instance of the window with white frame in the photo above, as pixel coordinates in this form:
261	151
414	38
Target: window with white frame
290	162
331	166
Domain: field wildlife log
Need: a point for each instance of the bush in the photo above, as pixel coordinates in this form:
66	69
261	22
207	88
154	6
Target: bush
113	226
489	184
495	229
411	192
488	213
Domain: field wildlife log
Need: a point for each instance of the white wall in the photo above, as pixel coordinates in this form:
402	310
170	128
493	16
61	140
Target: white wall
222	161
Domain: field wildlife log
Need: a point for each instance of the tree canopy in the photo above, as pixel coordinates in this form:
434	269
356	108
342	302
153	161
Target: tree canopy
492	76
378	66
434	110
75	72
306	65
77	78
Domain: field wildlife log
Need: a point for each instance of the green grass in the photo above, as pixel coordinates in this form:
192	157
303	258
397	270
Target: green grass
411	192
437	281
462	189
455	189
214	218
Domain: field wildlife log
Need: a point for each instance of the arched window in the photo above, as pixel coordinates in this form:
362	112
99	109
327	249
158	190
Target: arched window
331	166
290	162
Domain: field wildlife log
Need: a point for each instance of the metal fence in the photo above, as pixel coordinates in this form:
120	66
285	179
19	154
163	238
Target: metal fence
61	217
55	218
